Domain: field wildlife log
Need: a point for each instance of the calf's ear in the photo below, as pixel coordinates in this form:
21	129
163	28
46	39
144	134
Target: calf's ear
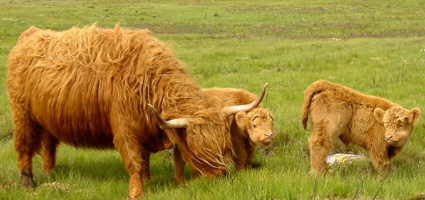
414	115
241	120
378	113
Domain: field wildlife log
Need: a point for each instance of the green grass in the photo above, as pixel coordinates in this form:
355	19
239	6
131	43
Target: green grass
375	47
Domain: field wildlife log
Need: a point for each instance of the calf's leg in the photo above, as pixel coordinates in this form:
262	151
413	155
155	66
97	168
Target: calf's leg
320	145
381	161
146	168
250	157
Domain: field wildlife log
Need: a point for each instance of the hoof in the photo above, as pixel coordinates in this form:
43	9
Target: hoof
27	182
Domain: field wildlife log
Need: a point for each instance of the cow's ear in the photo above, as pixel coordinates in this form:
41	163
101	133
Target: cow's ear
414	115
241	120
378	113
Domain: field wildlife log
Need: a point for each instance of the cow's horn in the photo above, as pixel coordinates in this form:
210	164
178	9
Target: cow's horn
174	123
247	107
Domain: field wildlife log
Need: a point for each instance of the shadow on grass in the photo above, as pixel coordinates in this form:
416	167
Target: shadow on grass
98	170
102	168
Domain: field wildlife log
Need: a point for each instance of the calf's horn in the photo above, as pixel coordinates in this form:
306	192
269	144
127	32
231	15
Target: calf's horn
230	110
174	123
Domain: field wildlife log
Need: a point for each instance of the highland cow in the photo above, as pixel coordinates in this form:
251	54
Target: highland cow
249	128
340	113
91	88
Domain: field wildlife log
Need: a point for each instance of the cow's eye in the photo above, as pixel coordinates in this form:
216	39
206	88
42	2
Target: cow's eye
255	126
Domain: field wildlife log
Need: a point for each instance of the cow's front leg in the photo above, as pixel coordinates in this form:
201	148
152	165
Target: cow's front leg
178	166
135	174
132	156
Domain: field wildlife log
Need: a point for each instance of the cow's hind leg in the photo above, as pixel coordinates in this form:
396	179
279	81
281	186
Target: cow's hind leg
27	142
320	145
50	144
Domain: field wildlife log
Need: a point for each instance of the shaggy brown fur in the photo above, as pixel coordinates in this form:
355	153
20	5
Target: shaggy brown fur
340	113
90	88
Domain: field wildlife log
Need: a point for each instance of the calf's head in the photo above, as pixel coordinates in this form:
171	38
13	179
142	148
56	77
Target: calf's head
259	125
398	123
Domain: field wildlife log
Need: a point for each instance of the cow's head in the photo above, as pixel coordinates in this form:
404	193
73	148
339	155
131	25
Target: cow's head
204	138
205	143
398	123
259	125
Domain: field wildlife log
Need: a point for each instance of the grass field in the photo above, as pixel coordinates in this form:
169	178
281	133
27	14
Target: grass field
375	47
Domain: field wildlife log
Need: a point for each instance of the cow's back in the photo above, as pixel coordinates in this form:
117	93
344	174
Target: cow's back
67	83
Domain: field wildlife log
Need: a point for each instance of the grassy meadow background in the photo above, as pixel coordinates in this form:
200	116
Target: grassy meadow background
376	47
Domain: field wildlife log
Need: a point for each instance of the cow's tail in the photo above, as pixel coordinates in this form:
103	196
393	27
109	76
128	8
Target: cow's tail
313	89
